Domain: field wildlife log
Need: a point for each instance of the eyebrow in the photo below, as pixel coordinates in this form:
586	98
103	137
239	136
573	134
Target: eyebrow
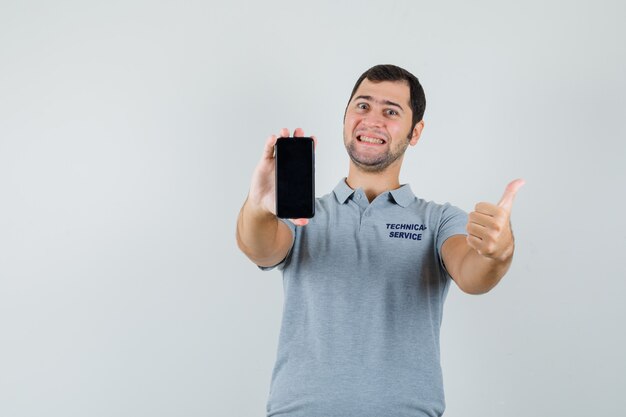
387	102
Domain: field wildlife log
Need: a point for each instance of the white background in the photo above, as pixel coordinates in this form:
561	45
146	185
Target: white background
128	134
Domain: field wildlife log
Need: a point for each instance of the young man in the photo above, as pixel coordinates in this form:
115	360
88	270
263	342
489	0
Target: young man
366	278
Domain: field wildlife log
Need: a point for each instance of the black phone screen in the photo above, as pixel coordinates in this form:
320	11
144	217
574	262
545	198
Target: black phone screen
295	178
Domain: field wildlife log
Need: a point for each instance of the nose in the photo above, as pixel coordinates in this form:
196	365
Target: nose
373	120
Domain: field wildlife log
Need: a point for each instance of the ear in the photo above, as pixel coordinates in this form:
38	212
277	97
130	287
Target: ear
417	132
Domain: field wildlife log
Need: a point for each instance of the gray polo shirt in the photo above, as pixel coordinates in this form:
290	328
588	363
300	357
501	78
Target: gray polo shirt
364	287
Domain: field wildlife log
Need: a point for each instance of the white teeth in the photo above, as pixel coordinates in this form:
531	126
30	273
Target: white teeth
371	140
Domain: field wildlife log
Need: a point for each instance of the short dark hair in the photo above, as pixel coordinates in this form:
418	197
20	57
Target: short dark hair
388	72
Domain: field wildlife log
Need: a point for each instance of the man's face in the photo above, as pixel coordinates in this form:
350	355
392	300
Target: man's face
377	125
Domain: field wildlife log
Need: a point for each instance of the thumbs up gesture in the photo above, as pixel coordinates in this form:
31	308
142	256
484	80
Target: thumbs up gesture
489	225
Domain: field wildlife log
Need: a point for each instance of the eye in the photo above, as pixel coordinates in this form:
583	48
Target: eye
362	106
391	112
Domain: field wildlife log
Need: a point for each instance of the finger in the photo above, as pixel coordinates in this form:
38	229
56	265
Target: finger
314	142
474	242
506	202
299	222
482	219
482	246
476	230
488	209
284	132
268	150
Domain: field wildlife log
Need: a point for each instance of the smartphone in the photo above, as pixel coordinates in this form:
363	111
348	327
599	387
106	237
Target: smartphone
295	178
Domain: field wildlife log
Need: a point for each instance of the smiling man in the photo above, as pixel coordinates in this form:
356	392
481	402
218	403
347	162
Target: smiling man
365	279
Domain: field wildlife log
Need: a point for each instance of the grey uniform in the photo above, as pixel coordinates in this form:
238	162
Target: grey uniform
364	287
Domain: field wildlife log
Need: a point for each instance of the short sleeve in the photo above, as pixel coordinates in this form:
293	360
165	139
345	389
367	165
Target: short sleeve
282	263
453	222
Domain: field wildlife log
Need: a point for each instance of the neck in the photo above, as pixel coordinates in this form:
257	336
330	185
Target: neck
374	183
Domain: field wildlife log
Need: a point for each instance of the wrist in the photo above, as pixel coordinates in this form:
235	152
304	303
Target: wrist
257	210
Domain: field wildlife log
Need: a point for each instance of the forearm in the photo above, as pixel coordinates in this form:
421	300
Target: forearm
257	232
479	274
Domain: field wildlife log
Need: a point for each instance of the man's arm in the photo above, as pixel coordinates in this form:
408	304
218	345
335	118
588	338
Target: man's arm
261	236
478	261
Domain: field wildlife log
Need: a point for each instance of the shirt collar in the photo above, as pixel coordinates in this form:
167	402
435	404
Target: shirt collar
343	191
403	196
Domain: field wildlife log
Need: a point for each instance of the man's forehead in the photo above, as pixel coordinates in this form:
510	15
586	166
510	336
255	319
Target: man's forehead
397	91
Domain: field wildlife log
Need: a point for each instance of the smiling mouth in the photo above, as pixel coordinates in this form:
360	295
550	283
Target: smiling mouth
369	139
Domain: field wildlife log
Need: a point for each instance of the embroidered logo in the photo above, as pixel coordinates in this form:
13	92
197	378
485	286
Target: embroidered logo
411	234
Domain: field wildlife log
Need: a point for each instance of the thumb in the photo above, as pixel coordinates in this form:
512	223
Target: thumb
268	150
506	202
